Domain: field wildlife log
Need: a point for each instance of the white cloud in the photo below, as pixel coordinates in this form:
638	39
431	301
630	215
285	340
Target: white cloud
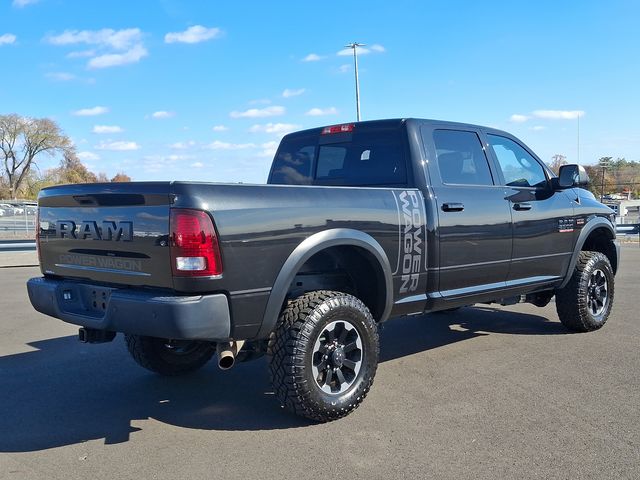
312	57
274	128
134	55
194	34
217	145
106	129
120	47
220	128
182	145
288	93
7	39
538	128
160	163
119	146
90	156
316	112
60	76
344	68
197	164
269	149
107	37
90	112
518	118
375	48
162	114
23	3
259	112
559	114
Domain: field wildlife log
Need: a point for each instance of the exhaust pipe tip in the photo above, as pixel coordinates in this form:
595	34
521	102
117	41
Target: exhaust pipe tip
225	363
227	352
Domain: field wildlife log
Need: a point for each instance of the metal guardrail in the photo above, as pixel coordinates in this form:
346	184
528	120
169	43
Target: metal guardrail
17	245
628	229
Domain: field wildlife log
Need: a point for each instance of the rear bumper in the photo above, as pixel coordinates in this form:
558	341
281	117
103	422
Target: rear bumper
201	317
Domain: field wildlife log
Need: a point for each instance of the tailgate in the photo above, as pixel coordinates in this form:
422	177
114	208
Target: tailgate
114	233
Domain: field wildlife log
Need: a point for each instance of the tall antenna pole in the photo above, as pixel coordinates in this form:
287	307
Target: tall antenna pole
355	46
578	138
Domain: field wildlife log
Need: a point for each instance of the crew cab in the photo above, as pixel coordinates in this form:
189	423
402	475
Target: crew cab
358	223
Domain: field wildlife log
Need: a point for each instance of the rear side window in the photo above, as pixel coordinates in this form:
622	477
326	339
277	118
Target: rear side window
461	158
518	167
293	162
368	157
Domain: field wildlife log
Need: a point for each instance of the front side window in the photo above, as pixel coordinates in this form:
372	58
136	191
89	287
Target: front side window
519	168
461	158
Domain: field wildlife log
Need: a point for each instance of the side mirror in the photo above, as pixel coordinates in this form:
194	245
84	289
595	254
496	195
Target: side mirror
572	176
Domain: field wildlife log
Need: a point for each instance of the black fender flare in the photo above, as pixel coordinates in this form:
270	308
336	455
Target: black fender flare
591	225
309	247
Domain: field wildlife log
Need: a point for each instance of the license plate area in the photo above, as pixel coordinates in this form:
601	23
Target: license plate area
88	300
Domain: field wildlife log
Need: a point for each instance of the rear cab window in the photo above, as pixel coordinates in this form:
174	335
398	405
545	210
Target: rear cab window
369	155
461	158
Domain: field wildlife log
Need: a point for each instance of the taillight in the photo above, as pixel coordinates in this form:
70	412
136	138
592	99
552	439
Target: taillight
346	128
194	245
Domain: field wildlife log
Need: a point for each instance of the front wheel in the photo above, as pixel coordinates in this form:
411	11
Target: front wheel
585	302
324	355
169	357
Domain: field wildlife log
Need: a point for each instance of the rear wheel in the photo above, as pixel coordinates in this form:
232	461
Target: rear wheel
585	302
324	355
169	357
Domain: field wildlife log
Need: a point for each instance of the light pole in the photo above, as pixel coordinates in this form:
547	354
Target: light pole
355	46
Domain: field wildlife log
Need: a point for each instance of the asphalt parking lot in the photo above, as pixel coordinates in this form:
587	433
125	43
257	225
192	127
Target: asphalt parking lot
488	392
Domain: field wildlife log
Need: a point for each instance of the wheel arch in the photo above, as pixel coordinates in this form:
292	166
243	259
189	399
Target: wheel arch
597	235
318	243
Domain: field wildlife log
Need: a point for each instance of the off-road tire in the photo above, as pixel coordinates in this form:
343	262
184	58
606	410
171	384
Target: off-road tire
157	355
301	325
572	301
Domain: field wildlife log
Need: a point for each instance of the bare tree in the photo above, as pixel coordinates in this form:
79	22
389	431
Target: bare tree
22	139
556	162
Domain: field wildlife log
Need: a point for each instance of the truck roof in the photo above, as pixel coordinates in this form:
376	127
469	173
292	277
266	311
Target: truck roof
397	122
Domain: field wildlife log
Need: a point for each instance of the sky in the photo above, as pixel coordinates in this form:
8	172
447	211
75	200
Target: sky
204	90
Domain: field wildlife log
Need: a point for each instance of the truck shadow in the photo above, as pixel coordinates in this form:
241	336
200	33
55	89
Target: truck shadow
63	392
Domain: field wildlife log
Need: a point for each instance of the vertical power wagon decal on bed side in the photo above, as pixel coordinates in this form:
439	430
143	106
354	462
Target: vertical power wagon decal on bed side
412	244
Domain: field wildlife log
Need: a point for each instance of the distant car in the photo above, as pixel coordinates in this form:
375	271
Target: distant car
17	208
9	209
2	212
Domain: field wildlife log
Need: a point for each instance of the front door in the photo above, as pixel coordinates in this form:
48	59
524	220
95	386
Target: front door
543	219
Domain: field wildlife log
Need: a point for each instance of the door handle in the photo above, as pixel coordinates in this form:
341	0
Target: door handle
452	207
522	206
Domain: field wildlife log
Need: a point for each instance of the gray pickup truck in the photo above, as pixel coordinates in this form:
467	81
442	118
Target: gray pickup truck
358	223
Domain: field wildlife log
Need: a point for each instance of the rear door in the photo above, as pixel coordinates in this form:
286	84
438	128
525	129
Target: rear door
474	230
543	219
115	233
